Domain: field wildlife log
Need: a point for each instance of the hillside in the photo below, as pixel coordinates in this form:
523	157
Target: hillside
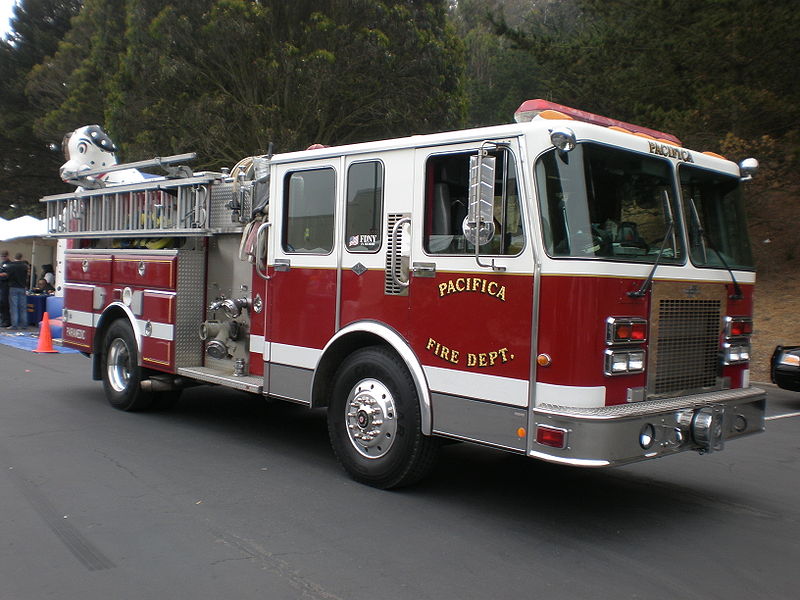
774	215
776	317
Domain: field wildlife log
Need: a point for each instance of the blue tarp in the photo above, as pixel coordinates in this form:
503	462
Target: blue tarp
28	341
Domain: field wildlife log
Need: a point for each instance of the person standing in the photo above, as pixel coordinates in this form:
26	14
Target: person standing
17	272
5	317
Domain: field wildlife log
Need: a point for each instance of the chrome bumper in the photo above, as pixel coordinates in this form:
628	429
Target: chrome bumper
617	435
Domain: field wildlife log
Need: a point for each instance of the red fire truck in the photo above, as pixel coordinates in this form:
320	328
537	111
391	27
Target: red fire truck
567	287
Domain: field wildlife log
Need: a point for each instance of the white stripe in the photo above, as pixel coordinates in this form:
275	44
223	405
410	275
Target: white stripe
79	317
257	343
477	385
786	416
568	395
591	268
160	331
296	356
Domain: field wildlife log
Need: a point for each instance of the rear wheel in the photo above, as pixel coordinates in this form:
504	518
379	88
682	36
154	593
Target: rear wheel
121	372
374	421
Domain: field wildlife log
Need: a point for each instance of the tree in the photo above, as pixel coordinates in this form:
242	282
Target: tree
307	72
26	166
700	70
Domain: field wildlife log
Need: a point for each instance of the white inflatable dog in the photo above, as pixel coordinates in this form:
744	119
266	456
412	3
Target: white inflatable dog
89	148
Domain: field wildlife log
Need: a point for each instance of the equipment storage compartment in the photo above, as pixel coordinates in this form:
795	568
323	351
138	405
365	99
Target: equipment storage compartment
156	269
95	268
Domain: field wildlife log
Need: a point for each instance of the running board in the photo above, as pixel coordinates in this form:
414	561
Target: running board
246	383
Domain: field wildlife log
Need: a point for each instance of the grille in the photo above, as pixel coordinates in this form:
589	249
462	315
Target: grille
687	345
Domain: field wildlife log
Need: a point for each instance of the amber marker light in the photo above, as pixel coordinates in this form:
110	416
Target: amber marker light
544	360
521	432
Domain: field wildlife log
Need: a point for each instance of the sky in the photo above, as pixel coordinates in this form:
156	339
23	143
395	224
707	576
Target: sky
6	7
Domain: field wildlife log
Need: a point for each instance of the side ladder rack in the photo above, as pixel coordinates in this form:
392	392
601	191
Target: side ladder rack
157	208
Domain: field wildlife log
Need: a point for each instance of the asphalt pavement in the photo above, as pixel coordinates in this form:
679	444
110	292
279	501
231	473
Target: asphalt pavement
228	496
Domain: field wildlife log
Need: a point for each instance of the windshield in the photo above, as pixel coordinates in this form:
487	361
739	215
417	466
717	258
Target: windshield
608	203
716	221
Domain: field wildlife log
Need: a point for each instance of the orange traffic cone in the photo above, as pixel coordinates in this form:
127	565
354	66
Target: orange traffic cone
45	339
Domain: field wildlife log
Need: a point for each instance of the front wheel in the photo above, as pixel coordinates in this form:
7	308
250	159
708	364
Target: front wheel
121	372
374	421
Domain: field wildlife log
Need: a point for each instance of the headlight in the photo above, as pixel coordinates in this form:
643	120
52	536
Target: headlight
624	362
736	351
788	359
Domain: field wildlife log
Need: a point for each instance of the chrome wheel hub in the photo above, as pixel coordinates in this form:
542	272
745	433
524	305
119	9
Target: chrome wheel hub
119	365
371	418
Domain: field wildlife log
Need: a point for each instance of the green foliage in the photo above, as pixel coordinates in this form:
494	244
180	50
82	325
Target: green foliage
698	69
225	78
26	166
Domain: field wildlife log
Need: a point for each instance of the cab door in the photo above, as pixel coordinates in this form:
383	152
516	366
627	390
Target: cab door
472	315
302	287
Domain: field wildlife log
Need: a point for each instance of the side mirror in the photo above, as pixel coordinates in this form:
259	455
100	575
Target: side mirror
748	168
478	226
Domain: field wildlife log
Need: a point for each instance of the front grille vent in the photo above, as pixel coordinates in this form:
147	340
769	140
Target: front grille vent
687	346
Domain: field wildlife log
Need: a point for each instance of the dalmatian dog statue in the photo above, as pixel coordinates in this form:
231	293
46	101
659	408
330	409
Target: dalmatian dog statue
89	148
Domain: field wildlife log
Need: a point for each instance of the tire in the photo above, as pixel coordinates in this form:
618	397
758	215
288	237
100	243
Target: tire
121	372
374	421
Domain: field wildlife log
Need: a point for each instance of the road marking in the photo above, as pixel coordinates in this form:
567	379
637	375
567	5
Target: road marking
786	416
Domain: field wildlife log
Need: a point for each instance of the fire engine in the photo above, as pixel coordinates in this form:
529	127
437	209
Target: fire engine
566	287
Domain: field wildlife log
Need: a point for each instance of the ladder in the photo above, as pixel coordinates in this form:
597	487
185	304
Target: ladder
159	207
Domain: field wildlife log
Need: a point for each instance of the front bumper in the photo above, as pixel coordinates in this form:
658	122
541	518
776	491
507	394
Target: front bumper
617	435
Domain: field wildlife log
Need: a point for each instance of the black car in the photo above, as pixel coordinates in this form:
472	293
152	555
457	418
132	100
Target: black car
785	367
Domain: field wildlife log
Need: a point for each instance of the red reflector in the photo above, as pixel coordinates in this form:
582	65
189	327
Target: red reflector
741	328
548	436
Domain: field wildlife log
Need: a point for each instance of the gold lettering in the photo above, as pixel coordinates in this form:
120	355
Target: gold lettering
472	284
472	359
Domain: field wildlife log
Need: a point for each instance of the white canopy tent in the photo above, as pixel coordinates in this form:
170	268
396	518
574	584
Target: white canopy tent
25	226
27	234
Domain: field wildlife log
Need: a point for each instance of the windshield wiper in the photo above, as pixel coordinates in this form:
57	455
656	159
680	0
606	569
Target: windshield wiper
737	291
671	226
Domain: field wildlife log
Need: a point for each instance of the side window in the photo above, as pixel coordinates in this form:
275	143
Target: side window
446	198
310	198
364	207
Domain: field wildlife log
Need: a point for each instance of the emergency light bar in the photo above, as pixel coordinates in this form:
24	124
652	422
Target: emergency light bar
544	109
